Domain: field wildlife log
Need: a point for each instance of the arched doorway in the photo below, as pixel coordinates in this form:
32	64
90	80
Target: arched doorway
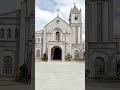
99	68
37	53
56	53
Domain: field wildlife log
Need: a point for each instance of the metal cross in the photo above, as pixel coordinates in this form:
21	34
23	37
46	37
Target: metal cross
58	11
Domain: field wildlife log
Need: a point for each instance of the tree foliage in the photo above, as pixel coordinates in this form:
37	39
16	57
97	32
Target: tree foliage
68	57
45	58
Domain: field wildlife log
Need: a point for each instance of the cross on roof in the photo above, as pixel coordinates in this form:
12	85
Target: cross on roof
74	3
58	11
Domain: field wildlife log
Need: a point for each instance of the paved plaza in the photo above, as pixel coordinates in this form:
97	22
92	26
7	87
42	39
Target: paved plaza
60	76
102	86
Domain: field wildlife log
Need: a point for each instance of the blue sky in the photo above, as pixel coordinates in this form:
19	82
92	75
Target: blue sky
45	11
48	5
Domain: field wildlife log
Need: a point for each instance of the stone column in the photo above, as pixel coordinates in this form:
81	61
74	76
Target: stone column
49	53
63	54
91	68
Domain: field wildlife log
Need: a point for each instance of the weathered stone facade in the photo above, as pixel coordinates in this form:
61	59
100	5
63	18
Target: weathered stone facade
102	48
61	38
16	39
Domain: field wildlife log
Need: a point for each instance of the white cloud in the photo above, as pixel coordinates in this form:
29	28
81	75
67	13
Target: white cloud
42	17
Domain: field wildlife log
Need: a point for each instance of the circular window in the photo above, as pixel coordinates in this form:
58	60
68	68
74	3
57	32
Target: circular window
76	17
57	21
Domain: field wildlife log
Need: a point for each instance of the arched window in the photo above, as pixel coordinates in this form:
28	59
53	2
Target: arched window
41	39
99	67
37	53
38	39
57	36
7	65
2	33
16	33
76	55
9	33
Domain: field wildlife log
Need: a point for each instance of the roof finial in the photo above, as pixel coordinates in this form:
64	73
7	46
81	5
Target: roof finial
58	11
74	4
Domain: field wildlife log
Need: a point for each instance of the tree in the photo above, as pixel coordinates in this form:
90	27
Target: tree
23	71
24	76
68	57
45	58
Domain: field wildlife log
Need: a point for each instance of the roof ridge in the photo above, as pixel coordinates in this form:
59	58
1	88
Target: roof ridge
55	18
75	9
10	12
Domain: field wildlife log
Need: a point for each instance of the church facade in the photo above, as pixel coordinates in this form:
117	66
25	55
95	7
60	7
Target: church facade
102	46
17	40
60	38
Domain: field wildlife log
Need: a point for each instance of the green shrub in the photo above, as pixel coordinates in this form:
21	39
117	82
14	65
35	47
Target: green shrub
23	72
45	58
68	57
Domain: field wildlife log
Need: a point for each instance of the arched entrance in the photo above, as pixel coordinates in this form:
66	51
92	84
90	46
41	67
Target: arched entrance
56	53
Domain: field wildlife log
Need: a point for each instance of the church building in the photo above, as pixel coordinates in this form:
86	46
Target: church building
17	40
60	38
102	50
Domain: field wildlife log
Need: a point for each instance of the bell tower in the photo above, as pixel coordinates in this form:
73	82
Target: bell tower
76	24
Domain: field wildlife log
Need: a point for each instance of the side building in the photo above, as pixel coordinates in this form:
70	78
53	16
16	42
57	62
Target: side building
38	45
